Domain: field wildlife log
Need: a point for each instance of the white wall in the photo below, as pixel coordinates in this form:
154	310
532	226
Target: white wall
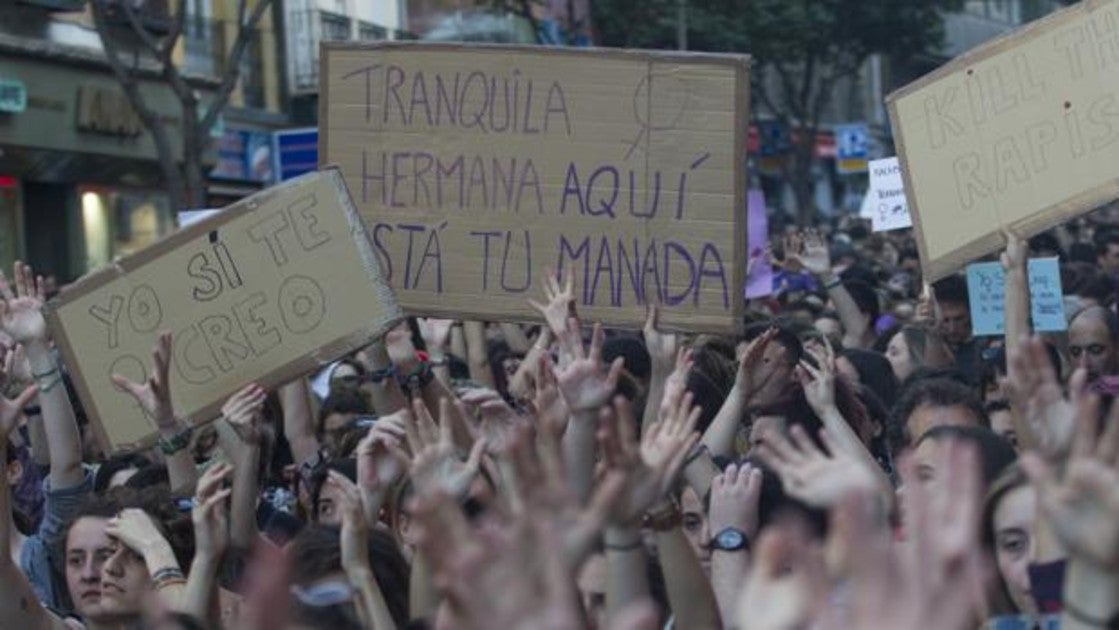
380	12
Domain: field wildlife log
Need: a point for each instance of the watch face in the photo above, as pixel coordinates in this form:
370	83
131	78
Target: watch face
730	539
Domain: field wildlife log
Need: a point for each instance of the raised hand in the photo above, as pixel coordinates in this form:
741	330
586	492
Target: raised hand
819	381
21	311
154	394
820	479
1082	502
210	513
433	464
677	382
435	332
402	352
934	581
785	585
499	421
651	467
662	347
1035	394
812	255
15	369
551	409
753	371
559	304
585	385
377	469
12	409
354	537
735	493
1016	253
136	530
243	411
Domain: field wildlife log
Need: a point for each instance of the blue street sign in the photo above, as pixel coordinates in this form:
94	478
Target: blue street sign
295	151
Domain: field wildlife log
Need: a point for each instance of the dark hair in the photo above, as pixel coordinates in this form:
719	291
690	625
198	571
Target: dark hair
1046	241
865	297
712	377
156	501
951	290
115	464
1103	239
316	553
347	467
342	401
149	476
995	453
996	406
632	349
875	373
938	392
1107	315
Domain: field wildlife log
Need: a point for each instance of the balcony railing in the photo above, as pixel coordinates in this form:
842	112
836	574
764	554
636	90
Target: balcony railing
307	28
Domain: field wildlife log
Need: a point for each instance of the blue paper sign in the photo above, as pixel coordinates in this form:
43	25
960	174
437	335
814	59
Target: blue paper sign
986	292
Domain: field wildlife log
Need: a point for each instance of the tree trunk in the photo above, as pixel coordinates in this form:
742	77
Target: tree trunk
195	141
801	178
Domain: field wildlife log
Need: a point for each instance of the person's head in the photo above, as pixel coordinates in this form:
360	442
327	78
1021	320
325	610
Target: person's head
324	598
117	470
935	402
994	453
829	325
107	581
914	347
1009	512
953	310
695	526
325	498
1107	251
632	350
782	355
337	414
866	298
1092	341
347	374
1002	421
871	370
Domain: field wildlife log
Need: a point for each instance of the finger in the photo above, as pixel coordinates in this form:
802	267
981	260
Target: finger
5	288
41	288
1087	424
651	320
1108	449
537	306
127	386
25	397
445	433
598	337
615	372
425	424
21	279
474	460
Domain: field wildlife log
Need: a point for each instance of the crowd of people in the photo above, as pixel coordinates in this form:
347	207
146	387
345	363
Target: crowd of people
855	459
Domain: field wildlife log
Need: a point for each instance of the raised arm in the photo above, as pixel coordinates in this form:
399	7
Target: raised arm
154	397
19	607
811	251
211	539
1017	292
239	437
734	508
371	605
476	356
299	420
751	375
384	391
436	333
665	360
22	319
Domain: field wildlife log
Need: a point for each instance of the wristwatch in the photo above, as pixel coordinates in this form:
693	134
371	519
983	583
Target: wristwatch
730	539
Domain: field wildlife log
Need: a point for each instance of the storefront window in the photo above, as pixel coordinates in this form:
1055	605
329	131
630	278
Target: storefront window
117	223
9	221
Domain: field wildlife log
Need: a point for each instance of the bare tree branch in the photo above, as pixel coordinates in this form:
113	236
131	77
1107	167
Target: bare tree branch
151	43
176	31
131	87
245	32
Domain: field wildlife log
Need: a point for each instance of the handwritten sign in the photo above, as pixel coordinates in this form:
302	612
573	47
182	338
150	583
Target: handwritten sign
888	207
759	279
478	168
1023	133
267	290
987	295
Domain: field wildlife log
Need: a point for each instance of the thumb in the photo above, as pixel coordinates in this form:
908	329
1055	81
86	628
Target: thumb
26	395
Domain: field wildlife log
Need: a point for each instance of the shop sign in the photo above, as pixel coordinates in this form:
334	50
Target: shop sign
13	96
107	110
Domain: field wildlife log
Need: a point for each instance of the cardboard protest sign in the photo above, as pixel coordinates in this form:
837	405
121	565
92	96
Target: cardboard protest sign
477	168
1022	133
886	197
268	289
986	284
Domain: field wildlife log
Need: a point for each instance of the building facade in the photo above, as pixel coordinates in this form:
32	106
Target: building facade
80	181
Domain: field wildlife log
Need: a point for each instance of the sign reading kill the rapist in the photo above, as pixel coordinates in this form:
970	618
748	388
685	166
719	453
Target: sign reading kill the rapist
268	289
1022	133
477	169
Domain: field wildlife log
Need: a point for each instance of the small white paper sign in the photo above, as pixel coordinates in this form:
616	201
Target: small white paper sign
887	196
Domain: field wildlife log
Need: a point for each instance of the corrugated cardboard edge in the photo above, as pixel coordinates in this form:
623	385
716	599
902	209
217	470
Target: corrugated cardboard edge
954	260
279	376
734	323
